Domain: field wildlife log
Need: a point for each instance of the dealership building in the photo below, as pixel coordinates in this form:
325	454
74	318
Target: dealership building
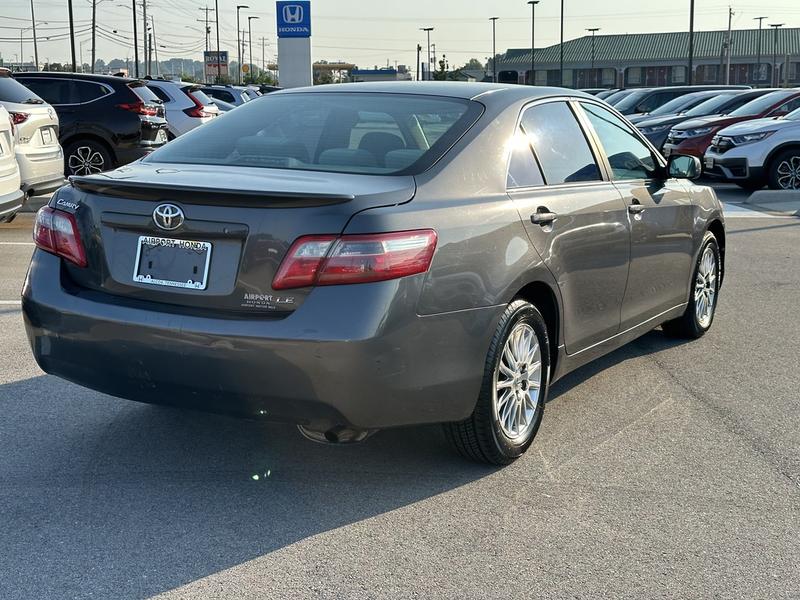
658	59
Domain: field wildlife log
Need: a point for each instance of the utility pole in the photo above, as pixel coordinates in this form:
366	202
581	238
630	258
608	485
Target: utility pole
72	36
775	78
594	73
208	29
419	50
494	48
154	40
94	29
728	49
533	4
433	58
757	78
145	39
428	31
239	43
216	23
691	42
250	43
35	46
561	48
135	42
263	62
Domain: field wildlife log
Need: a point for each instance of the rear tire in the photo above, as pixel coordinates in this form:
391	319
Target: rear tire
509	409
699	313
86	157
784	170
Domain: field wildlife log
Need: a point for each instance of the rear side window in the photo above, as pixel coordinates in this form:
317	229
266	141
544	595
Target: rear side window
560	145
86	91
145	93
200	96
162	95
348	132
522	168
51	90
12	90
629	157
221	94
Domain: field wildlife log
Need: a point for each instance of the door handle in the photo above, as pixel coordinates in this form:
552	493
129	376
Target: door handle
543	217
635	209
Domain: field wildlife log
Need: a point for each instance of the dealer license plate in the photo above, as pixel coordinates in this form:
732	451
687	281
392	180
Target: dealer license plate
172	263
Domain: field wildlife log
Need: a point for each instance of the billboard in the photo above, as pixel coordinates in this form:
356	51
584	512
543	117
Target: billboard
294	18
210	60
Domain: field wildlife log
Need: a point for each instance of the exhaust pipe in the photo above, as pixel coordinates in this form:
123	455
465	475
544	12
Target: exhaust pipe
336	435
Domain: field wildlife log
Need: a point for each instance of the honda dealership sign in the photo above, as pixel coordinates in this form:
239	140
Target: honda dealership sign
294	19
294	42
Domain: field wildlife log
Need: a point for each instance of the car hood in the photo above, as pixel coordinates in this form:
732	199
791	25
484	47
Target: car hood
664	120
759	125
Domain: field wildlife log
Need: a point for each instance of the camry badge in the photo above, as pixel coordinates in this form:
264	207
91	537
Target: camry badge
168	216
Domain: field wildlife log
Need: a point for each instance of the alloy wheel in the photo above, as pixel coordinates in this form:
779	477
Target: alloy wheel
86	161
789	173
705	287
518	382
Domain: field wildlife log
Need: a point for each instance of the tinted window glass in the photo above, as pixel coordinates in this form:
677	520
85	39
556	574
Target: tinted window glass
221	94
560	145
759	105
12	90
653	101
162	95
343	132
717	104
145	93
86	91
630	158
522	168
787	107
631	100
52	91
200	96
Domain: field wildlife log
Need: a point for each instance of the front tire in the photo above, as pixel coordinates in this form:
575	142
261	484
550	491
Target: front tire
784	171
513	393
699	314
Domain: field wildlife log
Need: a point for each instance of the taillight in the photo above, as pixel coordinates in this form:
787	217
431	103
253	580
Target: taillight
57	232
140	108
337	260
18	117
198	110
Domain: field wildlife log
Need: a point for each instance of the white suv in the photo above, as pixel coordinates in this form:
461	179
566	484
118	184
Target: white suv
759	152
38	153
11	197
186	106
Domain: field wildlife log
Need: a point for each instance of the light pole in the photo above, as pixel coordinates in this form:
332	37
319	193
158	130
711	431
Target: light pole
72	36
219	66
533	4
428	30
594	73
494	49
250	44
775	79
35	45
691	42
758	49
561	48
135	41
238	42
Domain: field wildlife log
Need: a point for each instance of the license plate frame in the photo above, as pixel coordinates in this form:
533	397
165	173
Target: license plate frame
147	244
47	136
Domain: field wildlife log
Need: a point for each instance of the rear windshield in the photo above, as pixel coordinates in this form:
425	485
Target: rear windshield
336	132
759	105
12	90
145	93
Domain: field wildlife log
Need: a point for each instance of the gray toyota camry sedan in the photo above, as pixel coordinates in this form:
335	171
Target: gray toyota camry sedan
360	256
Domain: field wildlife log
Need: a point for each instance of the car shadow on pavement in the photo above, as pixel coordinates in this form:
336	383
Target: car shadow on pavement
114	499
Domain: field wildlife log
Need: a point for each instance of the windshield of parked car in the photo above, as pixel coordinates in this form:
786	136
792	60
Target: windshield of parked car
336	132
759	105
631	100
710	107
793	116
12	90
612	99
676	105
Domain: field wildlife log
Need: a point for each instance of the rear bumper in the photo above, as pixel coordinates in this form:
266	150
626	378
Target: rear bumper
11	203
350	355
41	172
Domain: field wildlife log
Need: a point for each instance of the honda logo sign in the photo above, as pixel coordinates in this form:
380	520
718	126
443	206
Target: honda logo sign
294	18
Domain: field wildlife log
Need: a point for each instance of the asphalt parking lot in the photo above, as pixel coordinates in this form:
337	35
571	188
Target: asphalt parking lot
666	469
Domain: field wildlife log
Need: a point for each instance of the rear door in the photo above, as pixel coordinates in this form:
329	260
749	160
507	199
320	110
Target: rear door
576	220
660	215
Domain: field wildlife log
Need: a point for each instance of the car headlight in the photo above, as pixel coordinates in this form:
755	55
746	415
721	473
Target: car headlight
749	138
654	128
696	132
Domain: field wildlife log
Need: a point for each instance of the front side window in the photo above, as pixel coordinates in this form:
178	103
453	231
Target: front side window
561	147
348	132
630	158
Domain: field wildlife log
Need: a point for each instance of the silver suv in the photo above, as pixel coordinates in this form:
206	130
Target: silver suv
38	153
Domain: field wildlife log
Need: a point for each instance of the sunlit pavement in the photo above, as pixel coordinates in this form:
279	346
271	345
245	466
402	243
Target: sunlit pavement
666	469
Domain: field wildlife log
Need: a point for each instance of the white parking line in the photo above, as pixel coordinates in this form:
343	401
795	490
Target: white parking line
10	302
17	244
739	211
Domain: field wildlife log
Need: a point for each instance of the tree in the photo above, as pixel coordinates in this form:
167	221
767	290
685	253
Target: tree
474	64
440	74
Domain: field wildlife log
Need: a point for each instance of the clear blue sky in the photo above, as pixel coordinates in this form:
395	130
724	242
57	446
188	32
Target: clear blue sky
371	32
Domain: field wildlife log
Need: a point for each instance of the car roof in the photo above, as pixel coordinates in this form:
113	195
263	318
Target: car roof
82	76
487	92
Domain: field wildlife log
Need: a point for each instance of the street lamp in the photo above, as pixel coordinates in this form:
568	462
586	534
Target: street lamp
758	49
428	30
533	4
775	79
238	42
250	43
594	73
494	50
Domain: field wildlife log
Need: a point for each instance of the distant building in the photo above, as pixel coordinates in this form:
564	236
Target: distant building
386	74
658	59
17	67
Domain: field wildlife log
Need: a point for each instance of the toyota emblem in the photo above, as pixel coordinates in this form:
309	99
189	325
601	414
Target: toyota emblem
168	216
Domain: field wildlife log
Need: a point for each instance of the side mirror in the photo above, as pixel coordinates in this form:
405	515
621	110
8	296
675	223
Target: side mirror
684	167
